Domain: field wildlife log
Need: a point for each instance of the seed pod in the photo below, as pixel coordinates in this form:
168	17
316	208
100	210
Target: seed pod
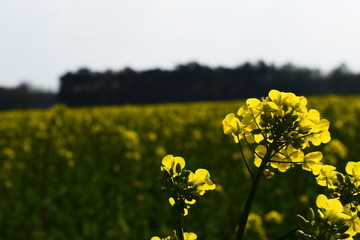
347	179
263	118
296	143
310	214
256	131
285	107
340	178
294	118
344	236
343	228
178	168
300	235
303	223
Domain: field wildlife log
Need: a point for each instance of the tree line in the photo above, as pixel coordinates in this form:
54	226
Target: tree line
24	96
196	82
186	82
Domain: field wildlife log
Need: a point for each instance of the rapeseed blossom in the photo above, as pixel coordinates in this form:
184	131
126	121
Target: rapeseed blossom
331	209
172	165
353	169
281	126
344	187
334	211
274	217
340	207
187	236
326	174
183	186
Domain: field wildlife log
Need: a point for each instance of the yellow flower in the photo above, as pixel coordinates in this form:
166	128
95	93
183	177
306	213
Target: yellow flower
173	165
172	201
260	152
353	169
232	125
201	179
274	217
282	123
187	236
312	162
289	99
190	236
156	238
255	106
318	128
286	158
184	187
353	222
326	174
331	209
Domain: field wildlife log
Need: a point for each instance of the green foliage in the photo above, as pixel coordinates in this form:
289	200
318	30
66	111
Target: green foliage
91	173
315	227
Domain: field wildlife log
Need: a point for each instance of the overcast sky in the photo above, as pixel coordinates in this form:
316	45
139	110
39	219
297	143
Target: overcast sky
40	39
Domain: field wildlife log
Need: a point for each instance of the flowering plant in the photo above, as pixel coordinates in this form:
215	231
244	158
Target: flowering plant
278	129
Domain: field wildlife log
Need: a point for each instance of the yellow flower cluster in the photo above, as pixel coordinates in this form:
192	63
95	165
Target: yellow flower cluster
187	236
281	126
333	211
184	186
344	192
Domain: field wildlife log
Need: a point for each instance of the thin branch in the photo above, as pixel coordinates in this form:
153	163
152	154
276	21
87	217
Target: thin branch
283	161
243	157
241	227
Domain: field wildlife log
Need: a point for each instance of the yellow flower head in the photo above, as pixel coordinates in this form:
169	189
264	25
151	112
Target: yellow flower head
183	186
232	125
331	209
326	174
287	158
281	123
172	165
274	217
201	178
312	162
173	236
353	222
353	169
190	236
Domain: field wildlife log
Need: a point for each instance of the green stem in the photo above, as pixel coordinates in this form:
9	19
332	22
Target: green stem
179	227
250	199
243	157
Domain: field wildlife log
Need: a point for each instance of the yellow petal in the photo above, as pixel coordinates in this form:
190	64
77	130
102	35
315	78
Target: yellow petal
192	178
273	106
168	161
155	238
179	160
193	201
201	174
189	236
172	201
349	167
275	95
321	201
253	102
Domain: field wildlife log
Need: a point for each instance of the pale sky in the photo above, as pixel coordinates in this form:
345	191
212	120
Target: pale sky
40	40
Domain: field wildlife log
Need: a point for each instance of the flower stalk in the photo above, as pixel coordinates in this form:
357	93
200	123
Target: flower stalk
251	196
179	227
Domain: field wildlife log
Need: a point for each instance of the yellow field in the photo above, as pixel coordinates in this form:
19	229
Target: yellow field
92	173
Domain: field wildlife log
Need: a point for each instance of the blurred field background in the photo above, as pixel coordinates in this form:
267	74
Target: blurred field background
92	173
